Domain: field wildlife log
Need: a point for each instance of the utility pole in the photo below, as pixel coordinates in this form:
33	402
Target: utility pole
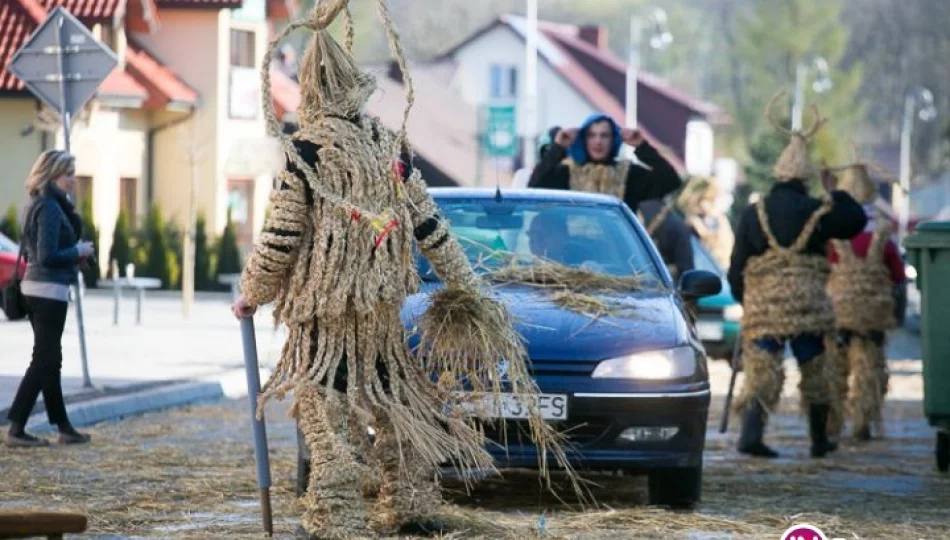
529	104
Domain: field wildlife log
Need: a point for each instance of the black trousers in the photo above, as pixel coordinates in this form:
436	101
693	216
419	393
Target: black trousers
48	318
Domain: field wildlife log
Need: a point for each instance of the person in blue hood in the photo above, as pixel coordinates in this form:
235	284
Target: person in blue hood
593	164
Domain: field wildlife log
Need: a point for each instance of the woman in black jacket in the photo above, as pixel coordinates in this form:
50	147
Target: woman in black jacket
51	245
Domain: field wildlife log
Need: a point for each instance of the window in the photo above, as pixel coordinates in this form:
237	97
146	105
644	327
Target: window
83	190
128	188
242	48
108	35
241	206
244	97
504	81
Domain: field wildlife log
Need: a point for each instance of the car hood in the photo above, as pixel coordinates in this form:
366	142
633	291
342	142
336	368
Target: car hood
554	333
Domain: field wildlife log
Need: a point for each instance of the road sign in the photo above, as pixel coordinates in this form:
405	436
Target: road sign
63	50
501	133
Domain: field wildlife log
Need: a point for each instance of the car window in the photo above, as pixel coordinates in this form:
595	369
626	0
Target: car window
7	245
600	238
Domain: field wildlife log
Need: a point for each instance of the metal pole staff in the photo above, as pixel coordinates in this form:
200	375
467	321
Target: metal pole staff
249	339
64	113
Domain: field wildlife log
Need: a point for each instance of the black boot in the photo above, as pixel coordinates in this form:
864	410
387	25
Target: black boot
817	425
753	427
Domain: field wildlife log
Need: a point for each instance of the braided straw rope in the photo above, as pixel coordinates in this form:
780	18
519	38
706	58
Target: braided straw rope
320	18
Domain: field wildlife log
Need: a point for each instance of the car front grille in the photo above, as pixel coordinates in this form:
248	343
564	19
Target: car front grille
562	368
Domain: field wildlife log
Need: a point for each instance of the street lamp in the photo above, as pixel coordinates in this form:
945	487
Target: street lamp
914	98
821	84
660	38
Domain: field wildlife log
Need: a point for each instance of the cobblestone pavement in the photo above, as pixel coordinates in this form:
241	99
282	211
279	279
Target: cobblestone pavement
190	474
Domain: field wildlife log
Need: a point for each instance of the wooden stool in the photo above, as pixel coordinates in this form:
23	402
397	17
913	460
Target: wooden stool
30	523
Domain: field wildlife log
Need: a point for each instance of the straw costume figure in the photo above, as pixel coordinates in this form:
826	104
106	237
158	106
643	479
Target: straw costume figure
335	256
779	269
862	274
588	159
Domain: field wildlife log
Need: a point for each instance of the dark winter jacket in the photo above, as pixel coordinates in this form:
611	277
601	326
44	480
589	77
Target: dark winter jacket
789	206
51	230
672	237
642	184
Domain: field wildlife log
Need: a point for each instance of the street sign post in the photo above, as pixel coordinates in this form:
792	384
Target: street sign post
63	65
501	133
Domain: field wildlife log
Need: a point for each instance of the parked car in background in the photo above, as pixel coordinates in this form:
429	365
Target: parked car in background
718	316
8	255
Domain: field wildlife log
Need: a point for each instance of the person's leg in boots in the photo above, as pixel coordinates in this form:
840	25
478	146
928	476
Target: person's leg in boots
764	377
333	504
48	318
870	384
840	369
409	495
817	391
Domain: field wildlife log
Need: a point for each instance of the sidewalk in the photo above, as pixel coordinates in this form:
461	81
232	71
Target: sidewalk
165	351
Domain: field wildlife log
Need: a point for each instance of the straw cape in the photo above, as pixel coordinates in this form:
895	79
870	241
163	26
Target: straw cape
336	258
609	179
860	289
785	296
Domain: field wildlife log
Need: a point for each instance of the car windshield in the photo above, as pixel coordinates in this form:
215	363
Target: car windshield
598	238
7	245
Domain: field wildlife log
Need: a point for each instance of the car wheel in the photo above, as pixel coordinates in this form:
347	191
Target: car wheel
677	488
303	464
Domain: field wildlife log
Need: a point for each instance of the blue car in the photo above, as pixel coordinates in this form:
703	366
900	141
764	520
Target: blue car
631	393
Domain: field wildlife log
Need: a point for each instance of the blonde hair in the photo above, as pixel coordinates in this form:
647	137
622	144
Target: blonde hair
50	165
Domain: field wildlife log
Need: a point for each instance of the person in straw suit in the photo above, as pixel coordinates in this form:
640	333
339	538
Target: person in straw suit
336	259
863	273
778	271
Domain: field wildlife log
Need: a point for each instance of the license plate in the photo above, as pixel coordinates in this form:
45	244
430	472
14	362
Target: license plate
551	406
709	331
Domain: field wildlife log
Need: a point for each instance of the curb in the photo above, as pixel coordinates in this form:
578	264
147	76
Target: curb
230	384
91	412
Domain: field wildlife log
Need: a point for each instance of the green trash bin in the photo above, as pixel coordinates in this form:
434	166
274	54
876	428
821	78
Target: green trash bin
928	250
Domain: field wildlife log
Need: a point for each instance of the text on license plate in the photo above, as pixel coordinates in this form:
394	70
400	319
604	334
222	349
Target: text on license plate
551	406
709	331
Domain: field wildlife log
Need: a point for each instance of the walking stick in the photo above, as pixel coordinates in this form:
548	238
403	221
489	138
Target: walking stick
261	456
736	363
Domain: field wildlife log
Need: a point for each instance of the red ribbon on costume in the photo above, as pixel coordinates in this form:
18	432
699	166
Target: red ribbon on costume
385	231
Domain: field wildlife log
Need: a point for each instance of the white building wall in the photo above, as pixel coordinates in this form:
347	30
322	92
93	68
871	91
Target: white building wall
558	102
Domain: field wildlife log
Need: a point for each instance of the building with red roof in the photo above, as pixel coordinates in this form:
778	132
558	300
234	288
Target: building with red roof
183	101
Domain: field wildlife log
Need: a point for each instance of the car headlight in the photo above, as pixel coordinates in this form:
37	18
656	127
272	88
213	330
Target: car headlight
655	365
733	313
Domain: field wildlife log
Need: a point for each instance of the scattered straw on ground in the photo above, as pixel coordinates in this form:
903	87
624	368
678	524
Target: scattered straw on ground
190	474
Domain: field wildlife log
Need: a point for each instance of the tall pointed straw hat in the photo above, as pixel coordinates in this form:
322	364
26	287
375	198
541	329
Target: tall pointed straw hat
794	161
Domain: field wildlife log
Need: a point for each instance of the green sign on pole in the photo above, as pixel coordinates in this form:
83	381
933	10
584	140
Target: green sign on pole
501	131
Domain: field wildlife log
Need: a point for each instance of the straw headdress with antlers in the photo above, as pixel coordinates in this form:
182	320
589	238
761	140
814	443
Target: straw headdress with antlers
794	162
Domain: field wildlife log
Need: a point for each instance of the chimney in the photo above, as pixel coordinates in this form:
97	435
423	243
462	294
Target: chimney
595	35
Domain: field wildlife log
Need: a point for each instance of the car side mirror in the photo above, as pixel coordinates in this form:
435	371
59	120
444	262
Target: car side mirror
696	284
